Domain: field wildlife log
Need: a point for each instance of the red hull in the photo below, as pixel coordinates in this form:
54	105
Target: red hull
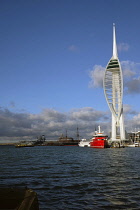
99	142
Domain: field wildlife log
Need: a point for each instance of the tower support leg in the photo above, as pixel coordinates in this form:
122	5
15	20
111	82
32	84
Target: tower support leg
113	128
122	129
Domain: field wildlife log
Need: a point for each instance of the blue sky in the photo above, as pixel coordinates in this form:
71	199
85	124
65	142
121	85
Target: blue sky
53	54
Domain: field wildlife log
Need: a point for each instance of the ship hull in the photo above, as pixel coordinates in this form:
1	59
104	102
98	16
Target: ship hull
99	143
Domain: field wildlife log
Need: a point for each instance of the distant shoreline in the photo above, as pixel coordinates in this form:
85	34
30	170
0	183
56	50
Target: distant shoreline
4	144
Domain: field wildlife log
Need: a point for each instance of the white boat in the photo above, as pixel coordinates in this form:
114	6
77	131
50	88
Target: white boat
84	143
136	144
131	145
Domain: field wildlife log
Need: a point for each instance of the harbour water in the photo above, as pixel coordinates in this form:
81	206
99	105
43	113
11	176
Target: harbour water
67	177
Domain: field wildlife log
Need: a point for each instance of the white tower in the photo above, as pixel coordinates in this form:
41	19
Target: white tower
113	89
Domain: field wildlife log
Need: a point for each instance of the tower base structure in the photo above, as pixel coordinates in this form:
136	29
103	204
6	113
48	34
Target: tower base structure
118	130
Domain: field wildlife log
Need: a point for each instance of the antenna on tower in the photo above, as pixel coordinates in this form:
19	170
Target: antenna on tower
115	54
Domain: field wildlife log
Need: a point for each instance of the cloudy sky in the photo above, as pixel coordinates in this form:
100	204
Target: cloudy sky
53	55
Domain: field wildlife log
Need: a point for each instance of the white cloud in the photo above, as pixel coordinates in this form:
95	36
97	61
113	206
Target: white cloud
73	48
133	86
88	114
96	76
136	118
131	72
128	110
12	104
19	126
123	47
128	73
130	65
51	123
133	124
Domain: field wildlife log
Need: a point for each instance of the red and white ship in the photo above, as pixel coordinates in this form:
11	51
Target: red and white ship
99	140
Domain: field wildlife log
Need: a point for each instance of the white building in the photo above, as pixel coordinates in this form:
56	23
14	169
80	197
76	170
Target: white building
113	89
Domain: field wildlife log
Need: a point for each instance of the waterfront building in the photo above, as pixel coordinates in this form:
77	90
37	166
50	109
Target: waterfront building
134	136
113	90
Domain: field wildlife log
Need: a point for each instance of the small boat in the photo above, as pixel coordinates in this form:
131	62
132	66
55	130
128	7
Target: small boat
84	143
136	144
99	140
19	145
131	145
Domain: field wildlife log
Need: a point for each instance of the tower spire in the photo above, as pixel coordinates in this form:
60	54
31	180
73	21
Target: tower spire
115	54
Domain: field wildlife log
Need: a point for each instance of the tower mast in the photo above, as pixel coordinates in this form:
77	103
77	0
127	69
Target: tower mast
115	54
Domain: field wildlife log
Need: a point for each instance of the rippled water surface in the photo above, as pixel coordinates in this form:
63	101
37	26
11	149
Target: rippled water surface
74	178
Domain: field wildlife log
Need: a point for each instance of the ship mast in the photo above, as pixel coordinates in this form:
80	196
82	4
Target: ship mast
78	133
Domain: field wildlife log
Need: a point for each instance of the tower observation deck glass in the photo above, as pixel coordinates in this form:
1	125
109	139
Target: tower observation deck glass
113	86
